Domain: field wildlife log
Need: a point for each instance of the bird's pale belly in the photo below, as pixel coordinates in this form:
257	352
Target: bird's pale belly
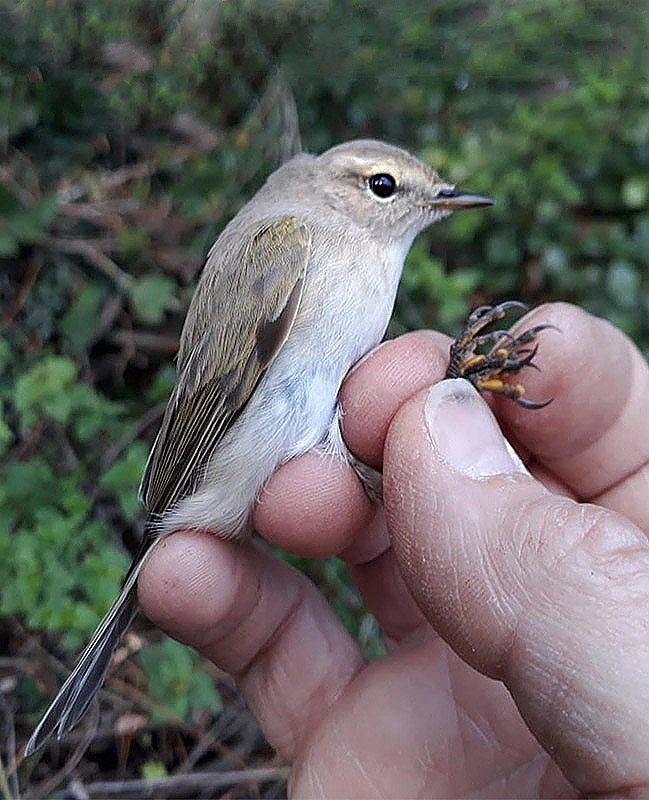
293	409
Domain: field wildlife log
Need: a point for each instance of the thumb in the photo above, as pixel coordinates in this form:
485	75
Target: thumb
531	588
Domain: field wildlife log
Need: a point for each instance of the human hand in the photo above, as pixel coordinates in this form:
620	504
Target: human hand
507	606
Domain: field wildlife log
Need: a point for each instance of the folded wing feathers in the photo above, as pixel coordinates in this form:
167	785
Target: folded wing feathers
243	329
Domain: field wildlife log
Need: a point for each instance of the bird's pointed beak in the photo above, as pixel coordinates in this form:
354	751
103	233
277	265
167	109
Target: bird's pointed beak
452	200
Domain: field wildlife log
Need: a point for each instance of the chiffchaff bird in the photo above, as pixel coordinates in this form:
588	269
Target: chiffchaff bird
298	286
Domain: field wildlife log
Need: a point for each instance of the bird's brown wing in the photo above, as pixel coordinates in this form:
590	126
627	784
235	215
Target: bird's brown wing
240	316
242	312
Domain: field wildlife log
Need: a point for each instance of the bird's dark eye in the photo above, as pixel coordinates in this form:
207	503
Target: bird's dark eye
383	185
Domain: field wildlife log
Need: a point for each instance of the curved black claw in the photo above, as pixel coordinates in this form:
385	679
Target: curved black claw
533	404
507	356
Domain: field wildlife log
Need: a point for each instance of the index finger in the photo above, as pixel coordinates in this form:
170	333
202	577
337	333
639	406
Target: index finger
593	437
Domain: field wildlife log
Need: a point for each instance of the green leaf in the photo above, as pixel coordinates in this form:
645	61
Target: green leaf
9	203
151	296
31	223
132	240
92	412
8	244
6	435
45	387
153	769
162	384
123	477
79	323
5	354
21	223
623	282
176	680
635	192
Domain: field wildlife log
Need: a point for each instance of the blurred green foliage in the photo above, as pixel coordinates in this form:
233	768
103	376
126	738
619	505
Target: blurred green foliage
175	683
131	131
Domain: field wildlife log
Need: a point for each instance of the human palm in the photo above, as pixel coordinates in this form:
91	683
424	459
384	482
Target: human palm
514	616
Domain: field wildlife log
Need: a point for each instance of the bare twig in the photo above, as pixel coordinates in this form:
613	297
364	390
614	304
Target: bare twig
110	181
149	342
210	740
31	643
50	784
14	662
145	169
108	315
10	739
4	783
24	195
93	256
108	213
29	278
132	432
77	790
29	441
182	785
68	458
149	705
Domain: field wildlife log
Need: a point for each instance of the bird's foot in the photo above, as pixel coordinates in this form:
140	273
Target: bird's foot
372	479
507	355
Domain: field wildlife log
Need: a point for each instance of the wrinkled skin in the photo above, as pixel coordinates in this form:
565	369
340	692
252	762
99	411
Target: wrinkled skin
516	615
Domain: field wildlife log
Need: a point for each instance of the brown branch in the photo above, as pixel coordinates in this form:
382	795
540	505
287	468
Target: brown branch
50	783
108	214
24	195
143	701
125	174
14	662
77	790
93	256
149	342
181	785
132	432
145	169
24	289
210	740
10	778
29	441
107	317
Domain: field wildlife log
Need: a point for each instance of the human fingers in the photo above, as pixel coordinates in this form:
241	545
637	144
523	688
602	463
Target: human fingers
421	723
260	620
594	436
591	441
534	589
314	506
374	389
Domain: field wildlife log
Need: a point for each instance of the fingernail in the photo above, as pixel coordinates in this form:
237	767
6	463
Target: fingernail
465	434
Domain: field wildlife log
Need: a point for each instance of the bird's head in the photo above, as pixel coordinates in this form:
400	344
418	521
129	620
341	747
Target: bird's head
386	190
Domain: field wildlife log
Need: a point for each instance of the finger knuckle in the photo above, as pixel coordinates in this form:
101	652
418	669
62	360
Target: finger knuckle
585	544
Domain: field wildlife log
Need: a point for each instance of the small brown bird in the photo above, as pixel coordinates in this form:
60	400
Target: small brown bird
298	286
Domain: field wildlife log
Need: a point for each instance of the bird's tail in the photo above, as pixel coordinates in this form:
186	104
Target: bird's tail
86	678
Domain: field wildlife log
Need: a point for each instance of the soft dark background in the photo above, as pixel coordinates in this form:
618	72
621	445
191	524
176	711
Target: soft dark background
129	133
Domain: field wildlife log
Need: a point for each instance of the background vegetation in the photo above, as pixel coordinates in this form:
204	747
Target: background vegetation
130	132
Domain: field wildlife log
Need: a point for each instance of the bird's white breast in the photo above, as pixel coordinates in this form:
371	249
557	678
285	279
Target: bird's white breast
343	313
